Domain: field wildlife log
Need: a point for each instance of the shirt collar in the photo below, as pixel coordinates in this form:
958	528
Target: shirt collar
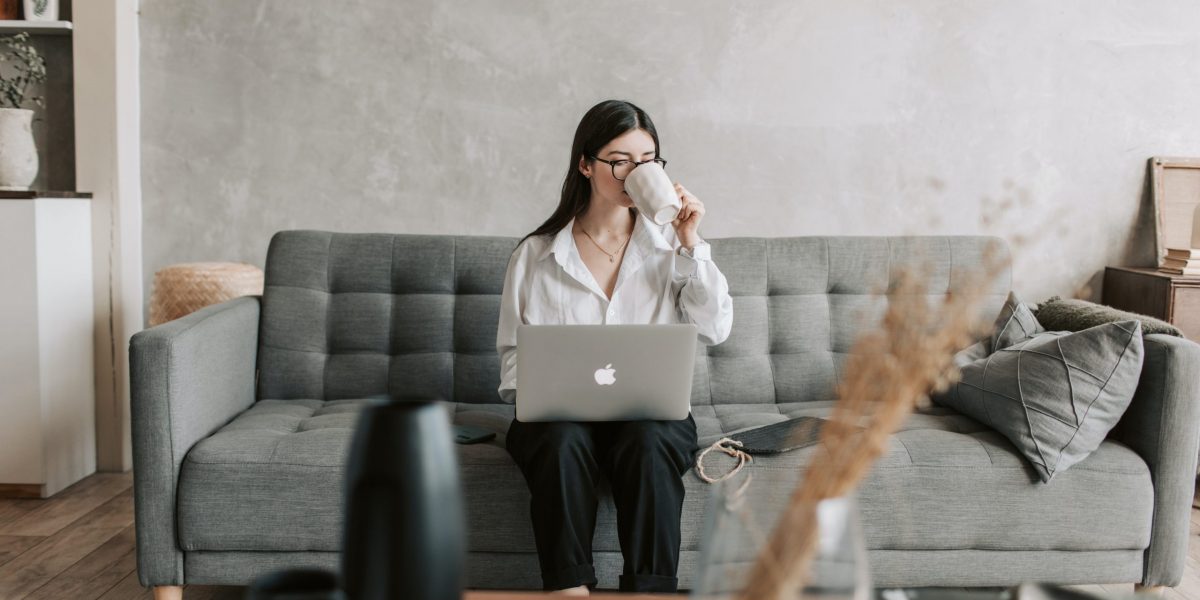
646	235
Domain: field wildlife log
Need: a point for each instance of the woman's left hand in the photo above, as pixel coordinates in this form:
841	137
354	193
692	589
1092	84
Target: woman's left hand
687	222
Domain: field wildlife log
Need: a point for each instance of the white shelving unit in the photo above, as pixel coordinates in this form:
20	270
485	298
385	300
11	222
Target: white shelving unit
47	393
43	27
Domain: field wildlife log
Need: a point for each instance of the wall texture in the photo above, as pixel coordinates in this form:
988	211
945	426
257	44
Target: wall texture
1024	119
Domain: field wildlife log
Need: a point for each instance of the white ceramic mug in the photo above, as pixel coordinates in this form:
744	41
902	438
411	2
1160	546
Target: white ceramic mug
653	193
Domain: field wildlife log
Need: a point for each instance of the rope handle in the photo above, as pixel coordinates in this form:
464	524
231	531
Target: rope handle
728	446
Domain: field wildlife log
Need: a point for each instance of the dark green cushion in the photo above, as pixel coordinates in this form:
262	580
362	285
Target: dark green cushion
1066	314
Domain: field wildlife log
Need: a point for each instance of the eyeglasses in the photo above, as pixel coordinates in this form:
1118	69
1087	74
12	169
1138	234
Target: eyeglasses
622	168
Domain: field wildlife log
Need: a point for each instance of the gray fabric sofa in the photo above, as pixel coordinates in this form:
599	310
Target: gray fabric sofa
242	413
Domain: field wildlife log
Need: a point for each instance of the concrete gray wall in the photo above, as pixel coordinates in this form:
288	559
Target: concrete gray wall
1024	119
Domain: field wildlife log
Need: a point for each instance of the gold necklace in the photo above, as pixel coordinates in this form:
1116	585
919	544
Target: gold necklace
611	255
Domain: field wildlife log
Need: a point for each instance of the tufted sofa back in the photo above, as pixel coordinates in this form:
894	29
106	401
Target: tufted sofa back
348	315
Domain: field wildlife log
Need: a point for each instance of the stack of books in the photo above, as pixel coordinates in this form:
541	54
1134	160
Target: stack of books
1181	261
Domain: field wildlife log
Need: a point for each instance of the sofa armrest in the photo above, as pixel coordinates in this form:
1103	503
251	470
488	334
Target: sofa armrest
1162	425
188	377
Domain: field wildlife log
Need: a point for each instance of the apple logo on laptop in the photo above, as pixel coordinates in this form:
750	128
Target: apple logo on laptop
605	376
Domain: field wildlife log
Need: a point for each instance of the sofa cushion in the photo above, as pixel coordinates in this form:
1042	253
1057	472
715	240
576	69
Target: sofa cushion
1056	395
1014	324
348	315
271	480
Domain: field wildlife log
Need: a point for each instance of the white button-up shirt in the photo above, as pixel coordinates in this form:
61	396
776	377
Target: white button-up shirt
547	283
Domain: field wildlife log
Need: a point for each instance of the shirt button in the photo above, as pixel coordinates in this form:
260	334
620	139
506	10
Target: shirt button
612	313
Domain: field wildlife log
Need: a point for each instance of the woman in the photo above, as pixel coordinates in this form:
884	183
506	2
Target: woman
597	260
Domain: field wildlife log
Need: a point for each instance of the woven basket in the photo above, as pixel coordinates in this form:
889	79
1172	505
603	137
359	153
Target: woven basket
187	287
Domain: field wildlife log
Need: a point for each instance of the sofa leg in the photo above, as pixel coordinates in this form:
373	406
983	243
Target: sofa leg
1154	590
168	592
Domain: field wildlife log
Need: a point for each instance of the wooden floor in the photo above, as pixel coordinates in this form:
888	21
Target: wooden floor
80	545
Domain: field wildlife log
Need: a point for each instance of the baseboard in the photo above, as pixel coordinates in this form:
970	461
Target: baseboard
22	490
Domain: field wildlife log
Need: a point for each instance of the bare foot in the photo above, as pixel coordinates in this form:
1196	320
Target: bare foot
581	590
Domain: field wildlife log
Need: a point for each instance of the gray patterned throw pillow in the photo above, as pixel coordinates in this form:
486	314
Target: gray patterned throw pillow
1054	395
1015	323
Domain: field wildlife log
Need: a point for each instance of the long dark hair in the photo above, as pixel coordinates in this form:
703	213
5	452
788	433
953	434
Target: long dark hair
600	125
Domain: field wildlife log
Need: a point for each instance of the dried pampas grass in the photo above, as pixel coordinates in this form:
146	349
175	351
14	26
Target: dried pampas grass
891	371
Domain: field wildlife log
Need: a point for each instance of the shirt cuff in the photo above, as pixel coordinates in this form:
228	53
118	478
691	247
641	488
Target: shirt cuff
688	263
702	251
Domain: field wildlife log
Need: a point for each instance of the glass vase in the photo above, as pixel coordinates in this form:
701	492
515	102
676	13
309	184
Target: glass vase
738	525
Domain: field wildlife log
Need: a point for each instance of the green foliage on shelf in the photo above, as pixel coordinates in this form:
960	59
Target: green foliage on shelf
28	66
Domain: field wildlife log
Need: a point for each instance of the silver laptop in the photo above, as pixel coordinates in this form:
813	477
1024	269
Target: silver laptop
605	372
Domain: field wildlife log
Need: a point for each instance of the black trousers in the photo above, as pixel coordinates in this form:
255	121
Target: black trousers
644	462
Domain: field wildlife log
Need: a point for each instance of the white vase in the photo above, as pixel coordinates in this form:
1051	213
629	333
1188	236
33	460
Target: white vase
41	10
18	154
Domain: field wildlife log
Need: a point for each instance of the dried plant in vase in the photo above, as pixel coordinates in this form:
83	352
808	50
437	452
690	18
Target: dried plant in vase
18	154
29	68
891	371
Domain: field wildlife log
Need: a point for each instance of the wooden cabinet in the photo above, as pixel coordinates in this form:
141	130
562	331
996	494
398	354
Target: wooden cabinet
1172	298
47	393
